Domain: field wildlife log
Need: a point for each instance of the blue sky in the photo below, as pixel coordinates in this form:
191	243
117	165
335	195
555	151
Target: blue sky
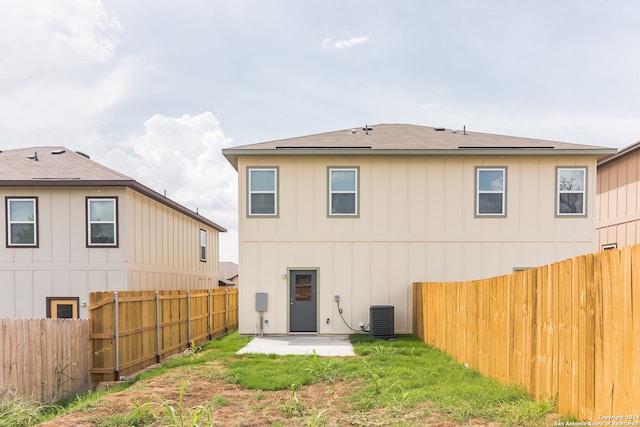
155	89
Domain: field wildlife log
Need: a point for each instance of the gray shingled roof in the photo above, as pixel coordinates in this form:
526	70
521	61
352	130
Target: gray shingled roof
623	152
59	166
228	270
405	139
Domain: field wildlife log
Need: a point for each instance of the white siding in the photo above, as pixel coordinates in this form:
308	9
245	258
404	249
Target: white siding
158	249
416	223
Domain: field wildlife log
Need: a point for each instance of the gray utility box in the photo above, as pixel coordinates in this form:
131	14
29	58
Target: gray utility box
261	301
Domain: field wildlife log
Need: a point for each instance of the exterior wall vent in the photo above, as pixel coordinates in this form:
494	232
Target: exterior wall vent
381	321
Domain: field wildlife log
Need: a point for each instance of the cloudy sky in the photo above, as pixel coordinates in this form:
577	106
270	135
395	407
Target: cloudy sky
156	88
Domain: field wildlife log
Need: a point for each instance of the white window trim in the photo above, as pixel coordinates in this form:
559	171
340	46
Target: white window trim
274	192
502	169
354	192
583	192
114	222
203	245
34	222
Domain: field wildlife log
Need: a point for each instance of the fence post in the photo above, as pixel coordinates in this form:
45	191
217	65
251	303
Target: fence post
188	319
209	314
226	310
116	369
157	328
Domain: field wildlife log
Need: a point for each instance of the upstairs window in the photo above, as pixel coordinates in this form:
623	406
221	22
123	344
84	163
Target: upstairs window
22	225
102	227
490	192
263	192
571	195
203	245
343	192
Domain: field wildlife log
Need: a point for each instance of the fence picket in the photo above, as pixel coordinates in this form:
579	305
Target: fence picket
570	329
180	319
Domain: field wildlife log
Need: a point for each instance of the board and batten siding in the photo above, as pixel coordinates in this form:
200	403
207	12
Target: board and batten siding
618	217
416	223
163	248
155	251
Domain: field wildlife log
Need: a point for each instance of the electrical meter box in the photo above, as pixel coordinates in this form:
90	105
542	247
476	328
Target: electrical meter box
261	301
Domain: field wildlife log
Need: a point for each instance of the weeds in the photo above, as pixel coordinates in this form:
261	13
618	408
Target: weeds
141	415
322	370
405	382
293	407
372	373
316	419
63	376
19	411
180	416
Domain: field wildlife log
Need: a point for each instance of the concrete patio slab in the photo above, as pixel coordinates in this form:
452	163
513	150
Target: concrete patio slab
334	345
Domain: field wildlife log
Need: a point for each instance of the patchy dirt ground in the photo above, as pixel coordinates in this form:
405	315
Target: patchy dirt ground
233	405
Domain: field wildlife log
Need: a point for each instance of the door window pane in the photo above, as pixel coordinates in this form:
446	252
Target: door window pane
303	287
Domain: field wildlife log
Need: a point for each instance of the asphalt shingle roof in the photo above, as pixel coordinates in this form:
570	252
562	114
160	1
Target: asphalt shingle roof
59	166
406	139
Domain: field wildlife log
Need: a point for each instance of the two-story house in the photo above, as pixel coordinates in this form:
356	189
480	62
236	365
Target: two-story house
334	223
618	193
71	226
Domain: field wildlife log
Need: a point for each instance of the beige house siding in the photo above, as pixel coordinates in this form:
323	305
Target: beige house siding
416	223
158	249
618	201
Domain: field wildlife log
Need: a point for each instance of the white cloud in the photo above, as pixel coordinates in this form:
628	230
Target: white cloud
44	36
65	99
182	156
343	44
59	67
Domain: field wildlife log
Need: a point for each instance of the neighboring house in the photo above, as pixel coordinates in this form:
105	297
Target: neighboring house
228	274
618	194
360	214
71	226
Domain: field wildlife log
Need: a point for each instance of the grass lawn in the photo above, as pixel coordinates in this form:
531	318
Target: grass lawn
395	382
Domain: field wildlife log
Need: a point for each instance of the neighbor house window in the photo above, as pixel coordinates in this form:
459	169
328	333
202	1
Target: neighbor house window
102	225
571	196
203	245
343	191
609	247
490	191
263	191
22	224
63	307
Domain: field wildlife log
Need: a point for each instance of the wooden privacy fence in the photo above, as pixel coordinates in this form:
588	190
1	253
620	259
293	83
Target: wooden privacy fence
135	329
569	330
46	359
